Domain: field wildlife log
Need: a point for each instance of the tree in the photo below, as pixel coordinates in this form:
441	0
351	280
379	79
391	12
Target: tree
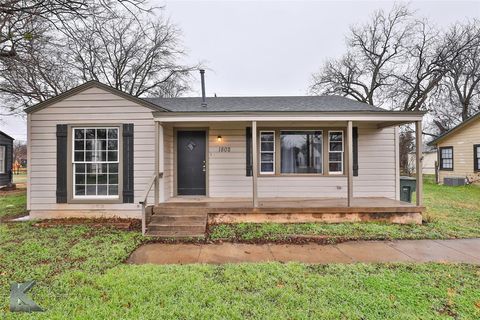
137	56
131	51
374	49
19	17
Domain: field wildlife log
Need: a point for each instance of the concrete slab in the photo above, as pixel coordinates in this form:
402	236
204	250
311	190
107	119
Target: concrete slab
160	253
372	251
431	251
235	253
308	253
469	247
451	251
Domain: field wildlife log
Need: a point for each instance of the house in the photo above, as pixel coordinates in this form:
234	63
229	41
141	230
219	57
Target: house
6	159
94	151
429	159
459	151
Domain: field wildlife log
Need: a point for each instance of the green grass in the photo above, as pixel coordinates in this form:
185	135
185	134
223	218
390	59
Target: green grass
452	212
12	204
80	275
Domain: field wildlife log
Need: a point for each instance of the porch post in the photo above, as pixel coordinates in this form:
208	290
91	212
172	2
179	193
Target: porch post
350	162
419	162
157	162
254	164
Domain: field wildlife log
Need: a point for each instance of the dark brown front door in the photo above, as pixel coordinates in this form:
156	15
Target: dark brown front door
191	162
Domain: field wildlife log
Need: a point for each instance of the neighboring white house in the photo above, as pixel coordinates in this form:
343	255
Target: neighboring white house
92	151
429	160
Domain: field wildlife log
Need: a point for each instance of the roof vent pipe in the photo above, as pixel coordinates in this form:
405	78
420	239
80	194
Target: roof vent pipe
202	76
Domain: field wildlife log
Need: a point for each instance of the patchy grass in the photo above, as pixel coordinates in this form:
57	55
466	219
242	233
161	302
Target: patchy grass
452	212
80	275
13	204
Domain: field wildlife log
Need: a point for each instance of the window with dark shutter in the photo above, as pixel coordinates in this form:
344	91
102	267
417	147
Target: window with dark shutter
476	157
446	158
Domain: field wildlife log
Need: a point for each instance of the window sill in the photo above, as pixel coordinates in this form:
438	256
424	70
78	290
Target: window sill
94	201
293	175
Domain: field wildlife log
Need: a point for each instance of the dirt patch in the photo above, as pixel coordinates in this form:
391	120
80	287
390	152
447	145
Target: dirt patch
13	192
117	223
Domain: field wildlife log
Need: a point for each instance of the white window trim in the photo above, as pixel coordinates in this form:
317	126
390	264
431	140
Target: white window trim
3	159
73	162
273	152
322	150
341	152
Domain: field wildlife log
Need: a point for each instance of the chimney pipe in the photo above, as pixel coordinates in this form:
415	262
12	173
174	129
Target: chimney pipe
202	76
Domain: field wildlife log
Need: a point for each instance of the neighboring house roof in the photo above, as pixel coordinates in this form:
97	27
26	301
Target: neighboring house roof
455	129
88	85
264	104
6	135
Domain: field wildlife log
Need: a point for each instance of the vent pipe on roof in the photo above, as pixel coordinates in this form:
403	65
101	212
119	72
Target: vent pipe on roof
202	76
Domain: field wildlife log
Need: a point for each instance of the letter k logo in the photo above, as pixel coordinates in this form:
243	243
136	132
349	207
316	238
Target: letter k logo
19	302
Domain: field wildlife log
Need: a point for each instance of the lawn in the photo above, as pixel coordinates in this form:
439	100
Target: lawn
80	275
452	212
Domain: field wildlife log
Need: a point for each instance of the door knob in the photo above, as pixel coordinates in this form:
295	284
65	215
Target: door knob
204	166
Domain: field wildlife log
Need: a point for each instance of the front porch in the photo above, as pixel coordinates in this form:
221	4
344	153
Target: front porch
189	216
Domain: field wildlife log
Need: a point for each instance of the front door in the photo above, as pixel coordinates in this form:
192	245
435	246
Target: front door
191	162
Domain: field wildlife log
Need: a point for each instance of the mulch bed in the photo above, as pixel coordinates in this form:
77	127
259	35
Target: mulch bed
117	223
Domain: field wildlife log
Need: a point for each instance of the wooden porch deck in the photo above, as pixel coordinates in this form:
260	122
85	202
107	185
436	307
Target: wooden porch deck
189	216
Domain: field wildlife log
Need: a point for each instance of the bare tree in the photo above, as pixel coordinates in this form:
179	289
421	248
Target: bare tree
374	49
139	58
18	17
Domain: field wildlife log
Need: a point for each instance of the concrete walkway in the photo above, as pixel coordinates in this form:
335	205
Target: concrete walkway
454	251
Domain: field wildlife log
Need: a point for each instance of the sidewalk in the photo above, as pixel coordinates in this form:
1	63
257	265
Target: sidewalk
453	251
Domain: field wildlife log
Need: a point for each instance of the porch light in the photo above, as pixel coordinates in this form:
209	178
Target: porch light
219	138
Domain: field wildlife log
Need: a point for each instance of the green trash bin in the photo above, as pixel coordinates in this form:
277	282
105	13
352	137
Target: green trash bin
408	185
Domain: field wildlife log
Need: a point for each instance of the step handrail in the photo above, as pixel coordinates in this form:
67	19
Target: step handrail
144	202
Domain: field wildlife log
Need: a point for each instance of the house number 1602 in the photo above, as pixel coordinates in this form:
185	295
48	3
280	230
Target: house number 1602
223	149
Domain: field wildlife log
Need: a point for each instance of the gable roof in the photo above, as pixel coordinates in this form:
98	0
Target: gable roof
455	129
88	85
6	135
264	104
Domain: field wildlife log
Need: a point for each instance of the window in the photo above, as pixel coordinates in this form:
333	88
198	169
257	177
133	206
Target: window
446	158
95	163
301	151
335	152
476	157
267	152
3	159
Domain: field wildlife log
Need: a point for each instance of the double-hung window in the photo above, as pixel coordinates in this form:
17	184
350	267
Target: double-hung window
95	163
476	157
3	159
267	152
446	158
301	151
335	152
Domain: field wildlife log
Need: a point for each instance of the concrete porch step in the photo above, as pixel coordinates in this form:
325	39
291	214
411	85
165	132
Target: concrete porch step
179	211
179	219
178	227
177	234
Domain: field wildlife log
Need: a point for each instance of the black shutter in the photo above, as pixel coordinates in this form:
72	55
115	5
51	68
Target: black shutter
9	161
128	163
248	151
355	151
62	150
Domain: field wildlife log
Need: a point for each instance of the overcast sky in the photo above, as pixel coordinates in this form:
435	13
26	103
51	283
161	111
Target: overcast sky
272	47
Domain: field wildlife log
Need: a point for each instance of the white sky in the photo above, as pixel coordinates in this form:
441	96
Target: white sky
272	47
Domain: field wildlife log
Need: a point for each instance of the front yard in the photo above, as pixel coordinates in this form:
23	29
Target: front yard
80	274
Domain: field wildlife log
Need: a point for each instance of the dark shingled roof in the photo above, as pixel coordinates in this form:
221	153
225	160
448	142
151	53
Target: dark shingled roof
265	104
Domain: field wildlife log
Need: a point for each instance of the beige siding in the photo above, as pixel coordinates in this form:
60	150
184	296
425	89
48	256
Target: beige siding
92	106
462	142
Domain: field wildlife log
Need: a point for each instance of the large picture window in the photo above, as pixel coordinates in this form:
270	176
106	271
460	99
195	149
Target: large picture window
301	151
335	152
267	152
3	159
446	158
96	162
476	157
